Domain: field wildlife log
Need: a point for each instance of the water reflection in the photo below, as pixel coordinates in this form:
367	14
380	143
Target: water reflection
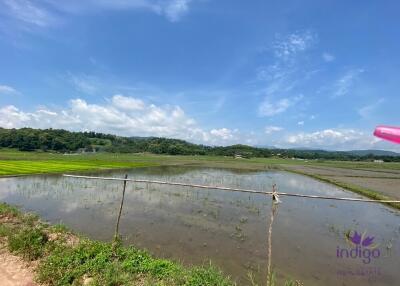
230	229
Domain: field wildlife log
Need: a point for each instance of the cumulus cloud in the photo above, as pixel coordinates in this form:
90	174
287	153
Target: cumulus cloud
335	139
120	115
223	133
127	103
270	107
6	89
271	129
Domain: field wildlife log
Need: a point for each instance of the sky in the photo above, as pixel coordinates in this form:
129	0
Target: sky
289	74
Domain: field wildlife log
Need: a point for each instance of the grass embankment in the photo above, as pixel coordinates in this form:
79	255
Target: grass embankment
65	259
356	189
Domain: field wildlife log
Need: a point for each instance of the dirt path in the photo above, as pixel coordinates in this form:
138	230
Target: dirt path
14	271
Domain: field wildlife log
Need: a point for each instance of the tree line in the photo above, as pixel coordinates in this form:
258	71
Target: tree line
58	140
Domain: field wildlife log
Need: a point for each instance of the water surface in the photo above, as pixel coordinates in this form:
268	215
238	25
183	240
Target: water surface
229	229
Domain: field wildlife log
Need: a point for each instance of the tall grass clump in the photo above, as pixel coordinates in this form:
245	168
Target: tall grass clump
28	242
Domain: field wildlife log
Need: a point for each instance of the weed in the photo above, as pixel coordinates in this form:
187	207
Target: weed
60	228
29	242
206	276
8	210
30	219
5	230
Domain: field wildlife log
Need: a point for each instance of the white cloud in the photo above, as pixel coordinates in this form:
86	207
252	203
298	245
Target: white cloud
270	107
175	9
6	89
271	129
127	103
223	133
344	84
10	115
289	46
328	57
45	13
301	123
285	76
334	139
120	115
28	12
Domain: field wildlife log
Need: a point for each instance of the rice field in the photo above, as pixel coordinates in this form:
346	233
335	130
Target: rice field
195	226
370	180
374	180
22	167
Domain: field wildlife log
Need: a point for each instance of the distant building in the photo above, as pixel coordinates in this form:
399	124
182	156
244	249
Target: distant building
378	161
238	156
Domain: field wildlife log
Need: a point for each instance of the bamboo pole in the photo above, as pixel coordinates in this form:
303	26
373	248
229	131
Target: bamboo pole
274	207
116	235
235	189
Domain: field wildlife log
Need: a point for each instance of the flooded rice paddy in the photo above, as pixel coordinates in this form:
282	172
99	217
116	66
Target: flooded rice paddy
229	229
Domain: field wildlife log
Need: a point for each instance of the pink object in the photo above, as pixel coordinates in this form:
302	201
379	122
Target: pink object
389	133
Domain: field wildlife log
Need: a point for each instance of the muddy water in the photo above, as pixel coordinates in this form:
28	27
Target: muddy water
196	226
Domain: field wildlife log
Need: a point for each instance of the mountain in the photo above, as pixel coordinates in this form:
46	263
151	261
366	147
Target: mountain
63	141
373	152
265	146
308	149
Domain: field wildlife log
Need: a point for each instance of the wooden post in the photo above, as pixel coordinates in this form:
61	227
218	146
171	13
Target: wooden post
274	207
116	235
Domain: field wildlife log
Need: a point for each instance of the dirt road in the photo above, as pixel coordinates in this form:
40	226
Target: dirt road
14	271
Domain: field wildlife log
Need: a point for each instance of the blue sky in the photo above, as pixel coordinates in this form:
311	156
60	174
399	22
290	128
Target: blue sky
316	74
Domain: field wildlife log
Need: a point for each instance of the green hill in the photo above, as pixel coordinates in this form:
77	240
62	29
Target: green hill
29	139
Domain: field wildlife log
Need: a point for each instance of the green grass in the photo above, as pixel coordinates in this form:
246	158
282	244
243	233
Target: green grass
19	167
120	266
14	163
9	211
64	264
29	242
